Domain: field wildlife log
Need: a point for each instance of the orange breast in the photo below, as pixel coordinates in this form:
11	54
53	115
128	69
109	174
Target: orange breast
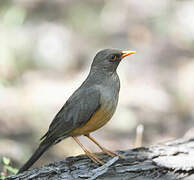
99	119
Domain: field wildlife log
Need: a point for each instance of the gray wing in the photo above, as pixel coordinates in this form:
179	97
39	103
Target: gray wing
75	113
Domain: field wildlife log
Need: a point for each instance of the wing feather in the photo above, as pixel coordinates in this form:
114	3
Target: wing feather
75	113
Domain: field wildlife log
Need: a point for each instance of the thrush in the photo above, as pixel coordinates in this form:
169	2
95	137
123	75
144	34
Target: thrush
89	108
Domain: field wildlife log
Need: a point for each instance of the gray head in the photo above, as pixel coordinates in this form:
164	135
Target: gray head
108	59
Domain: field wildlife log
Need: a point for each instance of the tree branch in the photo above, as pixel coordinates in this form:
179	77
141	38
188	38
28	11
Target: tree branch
170	161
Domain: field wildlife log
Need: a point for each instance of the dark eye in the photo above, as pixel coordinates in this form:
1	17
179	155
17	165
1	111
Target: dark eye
113	58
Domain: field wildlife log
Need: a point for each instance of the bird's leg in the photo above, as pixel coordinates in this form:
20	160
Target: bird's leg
93	157
110	153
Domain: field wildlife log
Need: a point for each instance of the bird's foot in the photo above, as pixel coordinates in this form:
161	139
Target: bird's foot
93	157
111	153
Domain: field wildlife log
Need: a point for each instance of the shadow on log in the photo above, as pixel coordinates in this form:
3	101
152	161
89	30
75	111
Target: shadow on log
170	161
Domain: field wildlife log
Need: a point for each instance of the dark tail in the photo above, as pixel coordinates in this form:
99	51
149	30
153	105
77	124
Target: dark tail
41	149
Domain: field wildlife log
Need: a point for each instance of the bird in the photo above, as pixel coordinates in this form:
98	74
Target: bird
89	108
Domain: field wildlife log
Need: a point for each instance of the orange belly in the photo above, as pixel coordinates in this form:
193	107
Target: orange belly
99	119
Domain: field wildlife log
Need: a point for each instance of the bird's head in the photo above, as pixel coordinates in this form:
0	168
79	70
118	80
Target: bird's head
108	59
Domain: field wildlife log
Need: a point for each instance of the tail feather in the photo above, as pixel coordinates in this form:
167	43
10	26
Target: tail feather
41	149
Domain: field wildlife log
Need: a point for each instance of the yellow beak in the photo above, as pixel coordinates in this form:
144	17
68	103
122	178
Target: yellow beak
127	53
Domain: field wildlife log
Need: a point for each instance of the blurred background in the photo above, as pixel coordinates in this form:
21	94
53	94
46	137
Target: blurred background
46	49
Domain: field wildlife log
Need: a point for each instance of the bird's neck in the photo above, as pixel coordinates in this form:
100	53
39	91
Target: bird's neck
101	77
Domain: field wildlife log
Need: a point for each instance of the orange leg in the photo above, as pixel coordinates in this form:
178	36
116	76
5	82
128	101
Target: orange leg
110	153
93	157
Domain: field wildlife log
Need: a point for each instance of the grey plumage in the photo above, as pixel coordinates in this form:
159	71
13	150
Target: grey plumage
100	90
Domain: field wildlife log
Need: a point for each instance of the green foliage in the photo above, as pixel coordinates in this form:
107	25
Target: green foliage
7	168
6	161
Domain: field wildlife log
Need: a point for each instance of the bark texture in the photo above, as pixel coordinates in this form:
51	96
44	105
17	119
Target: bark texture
169	161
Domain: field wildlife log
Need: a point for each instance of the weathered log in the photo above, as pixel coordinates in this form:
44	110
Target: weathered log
169	161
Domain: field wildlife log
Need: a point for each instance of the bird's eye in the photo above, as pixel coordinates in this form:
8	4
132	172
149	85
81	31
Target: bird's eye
113	58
